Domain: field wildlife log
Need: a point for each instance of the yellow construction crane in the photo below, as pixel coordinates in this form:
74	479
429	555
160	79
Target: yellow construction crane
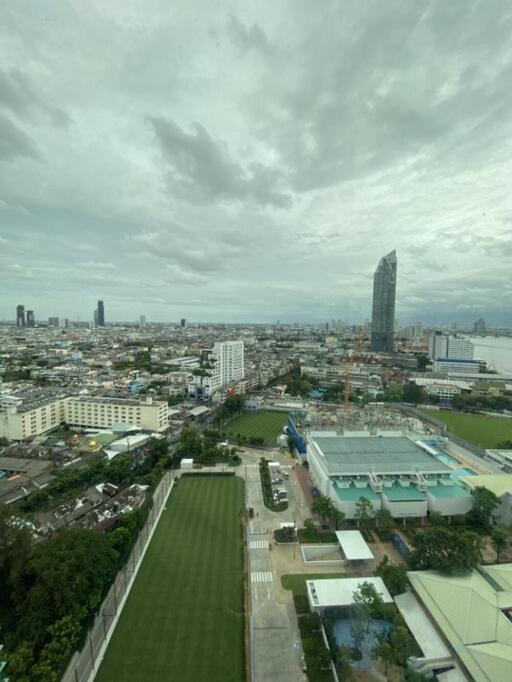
346	392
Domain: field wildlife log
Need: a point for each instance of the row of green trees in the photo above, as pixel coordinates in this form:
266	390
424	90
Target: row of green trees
204	449
51	590
230	408
468	403
266	488
366	515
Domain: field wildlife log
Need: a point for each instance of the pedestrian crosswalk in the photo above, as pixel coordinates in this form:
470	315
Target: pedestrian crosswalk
261	577
258	544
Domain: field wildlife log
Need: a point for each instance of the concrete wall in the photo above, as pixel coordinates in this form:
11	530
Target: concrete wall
400	509
449	506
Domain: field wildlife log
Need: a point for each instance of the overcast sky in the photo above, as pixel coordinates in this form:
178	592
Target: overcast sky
244	161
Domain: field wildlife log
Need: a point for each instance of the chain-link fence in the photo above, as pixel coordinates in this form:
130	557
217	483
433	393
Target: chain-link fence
84	664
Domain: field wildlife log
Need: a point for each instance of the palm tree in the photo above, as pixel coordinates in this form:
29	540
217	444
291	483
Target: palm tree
323	506
364	511
337	518
499	539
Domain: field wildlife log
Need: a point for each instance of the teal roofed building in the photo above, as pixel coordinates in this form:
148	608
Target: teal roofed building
391	470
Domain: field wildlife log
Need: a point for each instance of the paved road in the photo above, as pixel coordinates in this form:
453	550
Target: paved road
274	633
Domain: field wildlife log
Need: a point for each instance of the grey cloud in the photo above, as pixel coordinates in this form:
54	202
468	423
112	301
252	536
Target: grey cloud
248	37
14	141
201	169
18	96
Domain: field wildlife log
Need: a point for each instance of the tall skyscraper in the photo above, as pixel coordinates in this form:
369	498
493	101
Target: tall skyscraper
142	323
383	309
101	314
30	318
20	315
183	322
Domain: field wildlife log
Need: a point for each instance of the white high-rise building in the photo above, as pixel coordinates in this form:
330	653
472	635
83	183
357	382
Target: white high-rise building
227	366
229	357
454	347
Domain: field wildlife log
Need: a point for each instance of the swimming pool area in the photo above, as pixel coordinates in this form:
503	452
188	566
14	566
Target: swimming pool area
460	473
343	633
445	458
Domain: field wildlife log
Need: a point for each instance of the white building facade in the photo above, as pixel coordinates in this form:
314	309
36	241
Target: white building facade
19	422
227	367
445	346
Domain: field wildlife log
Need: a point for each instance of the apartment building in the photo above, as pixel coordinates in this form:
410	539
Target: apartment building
226	361
442	345
18	422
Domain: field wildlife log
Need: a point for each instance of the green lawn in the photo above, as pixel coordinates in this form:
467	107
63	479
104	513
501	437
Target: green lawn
265	424
183	619
296	582
486	432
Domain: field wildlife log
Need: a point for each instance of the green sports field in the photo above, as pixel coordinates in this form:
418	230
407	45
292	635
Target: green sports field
486	432
183	620
265	424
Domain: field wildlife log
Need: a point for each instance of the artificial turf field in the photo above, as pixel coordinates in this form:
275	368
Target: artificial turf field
264	423
183	620
486	432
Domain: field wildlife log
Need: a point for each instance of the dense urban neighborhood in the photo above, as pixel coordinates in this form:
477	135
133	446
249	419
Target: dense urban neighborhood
347	492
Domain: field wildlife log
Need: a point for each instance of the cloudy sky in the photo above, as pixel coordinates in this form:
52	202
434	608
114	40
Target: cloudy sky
241	161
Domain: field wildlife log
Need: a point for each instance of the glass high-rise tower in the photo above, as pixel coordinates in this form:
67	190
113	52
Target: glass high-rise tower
383	311
101	314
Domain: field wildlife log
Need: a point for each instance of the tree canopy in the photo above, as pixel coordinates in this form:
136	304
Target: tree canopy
446	550
484	504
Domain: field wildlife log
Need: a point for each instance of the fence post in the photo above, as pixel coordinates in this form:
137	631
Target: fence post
115	597
76	673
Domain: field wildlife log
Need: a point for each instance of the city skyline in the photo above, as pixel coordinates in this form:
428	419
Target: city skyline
272	196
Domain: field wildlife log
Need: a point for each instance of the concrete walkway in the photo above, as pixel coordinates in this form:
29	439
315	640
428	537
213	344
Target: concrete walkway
275	640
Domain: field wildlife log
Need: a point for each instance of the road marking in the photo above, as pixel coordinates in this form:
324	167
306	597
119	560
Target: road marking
261	577
258	544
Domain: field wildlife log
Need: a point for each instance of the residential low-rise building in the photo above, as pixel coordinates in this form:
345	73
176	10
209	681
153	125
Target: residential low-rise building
18	422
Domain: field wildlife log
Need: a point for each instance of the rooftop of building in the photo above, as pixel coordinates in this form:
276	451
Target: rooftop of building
499	484
377	454
470	612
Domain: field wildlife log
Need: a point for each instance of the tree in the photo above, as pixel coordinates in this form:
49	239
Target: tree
445	550
71	571
437	519
344	663
358	631
384	520
412	393
323	506
367	594
337	518
500	539
365	511
290	443
384	651
394	577
484	503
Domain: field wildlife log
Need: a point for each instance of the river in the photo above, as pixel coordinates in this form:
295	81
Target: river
495	350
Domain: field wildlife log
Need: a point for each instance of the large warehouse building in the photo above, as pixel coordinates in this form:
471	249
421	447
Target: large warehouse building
391	470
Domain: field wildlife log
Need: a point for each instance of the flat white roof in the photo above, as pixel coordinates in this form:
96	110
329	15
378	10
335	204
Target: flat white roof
198	411
353	545
340	591
422	628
